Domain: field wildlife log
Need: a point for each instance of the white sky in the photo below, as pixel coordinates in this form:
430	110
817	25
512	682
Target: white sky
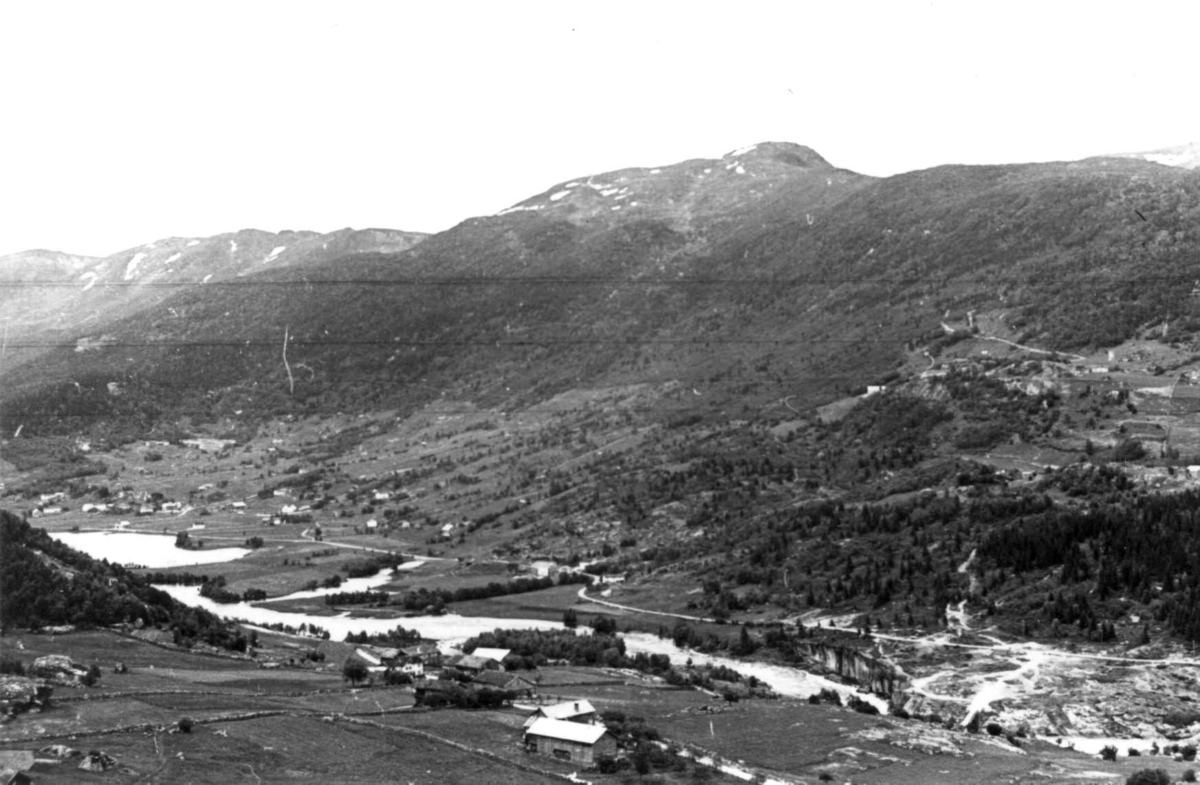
125	122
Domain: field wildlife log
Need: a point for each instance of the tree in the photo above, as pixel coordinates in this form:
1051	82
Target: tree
570	619
355	670
92	676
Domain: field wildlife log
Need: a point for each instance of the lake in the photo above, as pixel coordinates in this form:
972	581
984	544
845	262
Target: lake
148	550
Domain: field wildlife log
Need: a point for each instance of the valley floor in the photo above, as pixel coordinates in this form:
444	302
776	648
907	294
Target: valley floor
269	725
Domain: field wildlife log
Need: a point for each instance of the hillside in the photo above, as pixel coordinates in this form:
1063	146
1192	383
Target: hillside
754	385
45	583
50	297
756	277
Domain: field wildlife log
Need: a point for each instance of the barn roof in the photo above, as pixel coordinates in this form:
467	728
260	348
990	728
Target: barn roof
566	731
562	711
492	654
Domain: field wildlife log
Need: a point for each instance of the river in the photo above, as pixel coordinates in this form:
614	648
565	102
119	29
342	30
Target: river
450	630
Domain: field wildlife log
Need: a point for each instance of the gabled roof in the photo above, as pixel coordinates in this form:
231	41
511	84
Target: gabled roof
568	709
472	661
566	731
492	654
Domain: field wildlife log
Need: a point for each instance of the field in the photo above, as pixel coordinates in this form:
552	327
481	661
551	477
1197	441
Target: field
270	725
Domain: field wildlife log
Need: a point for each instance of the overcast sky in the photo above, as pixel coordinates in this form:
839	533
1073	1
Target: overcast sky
125	122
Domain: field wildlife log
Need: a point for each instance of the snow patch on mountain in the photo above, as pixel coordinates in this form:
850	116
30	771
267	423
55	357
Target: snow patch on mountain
173	258
233	246
274	254
131	267
92	277
518	208
554	197
192	242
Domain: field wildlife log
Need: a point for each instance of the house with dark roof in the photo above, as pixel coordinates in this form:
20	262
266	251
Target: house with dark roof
473	664
509	682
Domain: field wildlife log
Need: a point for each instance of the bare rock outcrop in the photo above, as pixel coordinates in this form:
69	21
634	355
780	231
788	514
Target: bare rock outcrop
59	669
20	694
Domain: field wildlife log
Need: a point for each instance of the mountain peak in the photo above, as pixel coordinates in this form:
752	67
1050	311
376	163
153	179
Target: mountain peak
788	153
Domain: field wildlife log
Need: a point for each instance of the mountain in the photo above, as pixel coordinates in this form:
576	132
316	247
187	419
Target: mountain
757	384
763	275
1184	156
49	296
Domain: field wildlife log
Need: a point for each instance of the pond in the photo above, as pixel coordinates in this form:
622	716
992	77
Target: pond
147	550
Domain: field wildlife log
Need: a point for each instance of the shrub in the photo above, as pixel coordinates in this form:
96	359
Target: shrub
185	724
1128	450
11	666
1188	752
826	695
92	676
994	729
1148	777
860	705
1189	775
1109	752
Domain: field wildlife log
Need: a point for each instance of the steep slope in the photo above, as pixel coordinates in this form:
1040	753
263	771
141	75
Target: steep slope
763	276
535	300
49	296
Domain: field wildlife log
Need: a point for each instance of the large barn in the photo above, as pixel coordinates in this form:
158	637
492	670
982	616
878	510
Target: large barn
570	741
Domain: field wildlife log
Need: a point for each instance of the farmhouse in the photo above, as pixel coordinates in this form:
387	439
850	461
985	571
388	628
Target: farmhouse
570	741
571	711
509	682
472	663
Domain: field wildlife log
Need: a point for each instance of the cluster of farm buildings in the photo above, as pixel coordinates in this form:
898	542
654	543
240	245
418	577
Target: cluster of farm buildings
570	730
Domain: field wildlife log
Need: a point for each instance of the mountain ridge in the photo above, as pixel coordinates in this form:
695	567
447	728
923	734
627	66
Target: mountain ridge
680	272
